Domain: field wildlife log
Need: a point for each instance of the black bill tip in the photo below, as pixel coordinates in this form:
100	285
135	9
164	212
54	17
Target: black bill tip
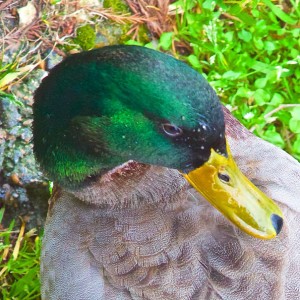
277	223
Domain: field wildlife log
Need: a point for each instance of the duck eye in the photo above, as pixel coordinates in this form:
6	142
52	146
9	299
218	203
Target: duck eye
224	177
171	130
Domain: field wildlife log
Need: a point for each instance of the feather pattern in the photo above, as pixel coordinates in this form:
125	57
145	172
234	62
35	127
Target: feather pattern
140	232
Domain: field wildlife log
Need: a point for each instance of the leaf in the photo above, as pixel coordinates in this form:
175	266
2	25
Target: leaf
238	11
295	112
133	42
296	32
272	136
2	210
261	96
10	77
260	83
11	98
294	125
296	144
294	122
209	4
270	46
280	13
277	99
194	61
261	67
7	79
166	40
229	36
259	44
244	92
245	35
231	75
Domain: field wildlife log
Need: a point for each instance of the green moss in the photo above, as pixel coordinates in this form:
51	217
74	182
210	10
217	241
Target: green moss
120	30
116	5
85	37
112	33
143	34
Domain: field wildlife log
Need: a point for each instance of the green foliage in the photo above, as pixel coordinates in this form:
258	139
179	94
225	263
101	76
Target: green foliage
19	263
250	53
50	185
9	74
166	40
11	98
85	37
116	5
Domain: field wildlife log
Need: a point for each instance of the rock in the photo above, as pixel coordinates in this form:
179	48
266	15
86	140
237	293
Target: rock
27	14
23	189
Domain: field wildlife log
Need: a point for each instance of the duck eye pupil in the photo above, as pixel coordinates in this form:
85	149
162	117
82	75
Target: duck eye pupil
172	130
224	177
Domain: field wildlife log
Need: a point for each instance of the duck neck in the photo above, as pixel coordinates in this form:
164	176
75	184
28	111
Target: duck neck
132	185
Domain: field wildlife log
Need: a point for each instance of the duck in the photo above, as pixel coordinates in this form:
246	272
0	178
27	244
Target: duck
149	201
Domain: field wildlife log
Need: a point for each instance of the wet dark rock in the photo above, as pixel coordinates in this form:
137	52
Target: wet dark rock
52	59
23	189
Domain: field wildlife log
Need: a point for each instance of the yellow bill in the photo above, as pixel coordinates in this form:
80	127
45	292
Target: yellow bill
221	182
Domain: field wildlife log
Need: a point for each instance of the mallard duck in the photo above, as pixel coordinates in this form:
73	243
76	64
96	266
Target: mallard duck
134	141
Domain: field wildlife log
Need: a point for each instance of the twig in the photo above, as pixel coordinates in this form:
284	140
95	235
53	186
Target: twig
231	17
5	4
19	240
280	107
118	18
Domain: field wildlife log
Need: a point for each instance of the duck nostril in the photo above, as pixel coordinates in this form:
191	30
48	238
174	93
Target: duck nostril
277	222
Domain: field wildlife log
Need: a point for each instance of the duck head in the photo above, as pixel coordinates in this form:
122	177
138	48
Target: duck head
99	109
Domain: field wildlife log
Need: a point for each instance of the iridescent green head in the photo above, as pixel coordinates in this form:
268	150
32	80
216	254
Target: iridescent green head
99	109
